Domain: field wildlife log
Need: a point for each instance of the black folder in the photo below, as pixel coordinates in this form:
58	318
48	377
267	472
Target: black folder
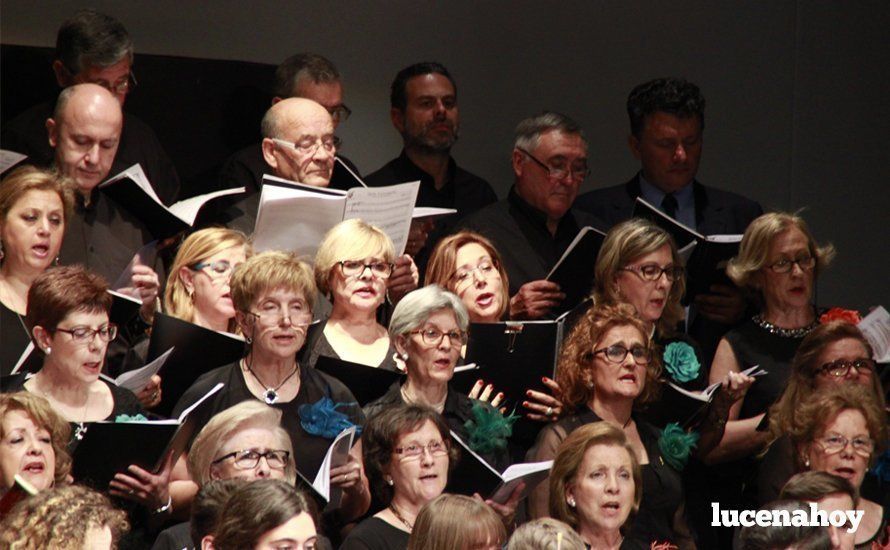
366	383
574	271
706	264
197	350
109	447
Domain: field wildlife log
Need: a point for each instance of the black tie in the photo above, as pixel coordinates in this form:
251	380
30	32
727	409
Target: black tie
669	204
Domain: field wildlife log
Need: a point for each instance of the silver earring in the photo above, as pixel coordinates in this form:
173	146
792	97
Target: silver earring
48	350
572	502
806	463
389	481
56	261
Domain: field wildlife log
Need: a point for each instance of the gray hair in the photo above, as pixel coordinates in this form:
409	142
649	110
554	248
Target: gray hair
269	124
92	38
757	537
301	66
529	131
417	306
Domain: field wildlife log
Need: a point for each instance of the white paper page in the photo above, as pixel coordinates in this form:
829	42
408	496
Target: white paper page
295	219
135	380
584	230
430	211
704	396
530	473
187	210
389	208
686	252
18	364
468	366
9	159
147	255
207	395
137	175
724	238
472	452
337	455
658	212
876	329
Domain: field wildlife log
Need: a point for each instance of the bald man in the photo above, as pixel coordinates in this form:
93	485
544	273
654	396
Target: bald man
84	133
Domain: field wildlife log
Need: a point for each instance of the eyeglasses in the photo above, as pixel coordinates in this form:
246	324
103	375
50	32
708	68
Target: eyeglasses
835	443
121	87
297	313
414	450
355	268
83	335
249	458
616	353
577	173
218	269
652	272
485	269
309	146
841	367
785	265
434	336
340	113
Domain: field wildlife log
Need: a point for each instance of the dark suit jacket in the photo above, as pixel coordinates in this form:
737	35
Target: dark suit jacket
716	211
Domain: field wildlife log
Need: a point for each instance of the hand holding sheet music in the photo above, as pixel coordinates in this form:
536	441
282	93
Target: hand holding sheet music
335	466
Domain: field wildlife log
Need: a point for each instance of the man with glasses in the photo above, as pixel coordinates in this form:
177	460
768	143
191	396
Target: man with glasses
534	226
92	47
667	120
424	110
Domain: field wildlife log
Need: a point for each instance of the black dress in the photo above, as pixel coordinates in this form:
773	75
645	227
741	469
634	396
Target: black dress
375	534
318	345
662	484
13	336
309	449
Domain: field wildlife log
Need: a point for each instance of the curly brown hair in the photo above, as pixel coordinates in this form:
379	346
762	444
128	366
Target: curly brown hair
60	518
574	371
42	413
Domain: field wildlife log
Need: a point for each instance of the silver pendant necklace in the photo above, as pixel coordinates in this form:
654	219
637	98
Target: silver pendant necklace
270	395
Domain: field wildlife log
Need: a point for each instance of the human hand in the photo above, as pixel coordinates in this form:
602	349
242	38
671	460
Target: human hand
348	476
507	510
733	387
418	235
535	299
404	278
145	285
485	393
544	407
724	304
143	487
150	395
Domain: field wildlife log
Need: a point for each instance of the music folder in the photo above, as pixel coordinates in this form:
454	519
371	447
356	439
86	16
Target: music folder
366	383
110	447
574	270
196	350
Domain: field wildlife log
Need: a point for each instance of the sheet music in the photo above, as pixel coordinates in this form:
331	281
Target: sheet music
876	328
584	231
135	380
24	356
389	208
337	455
295	219
431	212
147	256
187	210
136	175
8	159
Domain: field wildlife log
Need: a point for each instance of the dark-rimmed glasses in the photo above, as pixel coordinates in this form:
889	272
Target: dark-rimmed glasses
617	352
841	367
248	459
340	113
218	269
785	264
83	335
652	272
434	336
560	172
354	268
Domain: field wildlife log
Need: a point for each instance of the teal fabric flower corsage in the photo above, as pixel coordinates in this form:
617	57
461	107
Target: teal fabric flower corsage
323	419
881	468
488	429
128	418
680	362
676	445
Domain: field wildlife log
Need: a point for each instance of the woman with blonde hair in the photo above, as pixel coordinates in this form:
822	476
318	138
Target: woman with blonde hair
198	290
545	534
33	442
353	265
457	521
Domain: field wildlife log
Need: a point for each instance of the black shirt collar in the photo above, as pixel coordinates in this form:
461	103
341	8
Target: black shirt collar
566	226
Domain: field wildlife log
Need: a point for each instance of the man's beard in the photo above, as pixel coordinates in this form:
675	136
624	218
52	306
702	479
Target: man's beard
426	142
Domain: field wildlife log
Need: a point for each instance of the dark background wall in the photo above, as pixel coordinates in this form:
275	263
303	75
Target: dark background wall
797	115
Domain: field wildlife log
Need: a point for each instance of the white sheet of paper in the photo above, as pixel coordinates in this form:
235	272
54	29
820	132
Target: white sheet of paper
147	255
390	208
187	210
337	455
137	175
18	365
135	380
876	328
351	172
584	230
9	159
430	211
294	219
531	473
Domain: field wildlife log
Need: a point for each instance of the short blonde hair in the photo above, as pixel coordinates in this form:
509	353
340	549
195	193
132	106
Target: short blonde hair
443	263
60	518
45	417
199	246
626	242
545	534
456	521
574	370
350	240
754	249
224	425
568	460
268	271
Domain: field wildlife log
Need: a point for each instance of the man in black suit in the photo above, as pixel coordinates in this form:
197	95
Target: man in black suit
666	122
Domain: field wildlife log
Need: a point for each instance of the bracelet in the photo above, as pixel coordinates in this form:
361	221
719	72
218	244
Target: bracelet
166	507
